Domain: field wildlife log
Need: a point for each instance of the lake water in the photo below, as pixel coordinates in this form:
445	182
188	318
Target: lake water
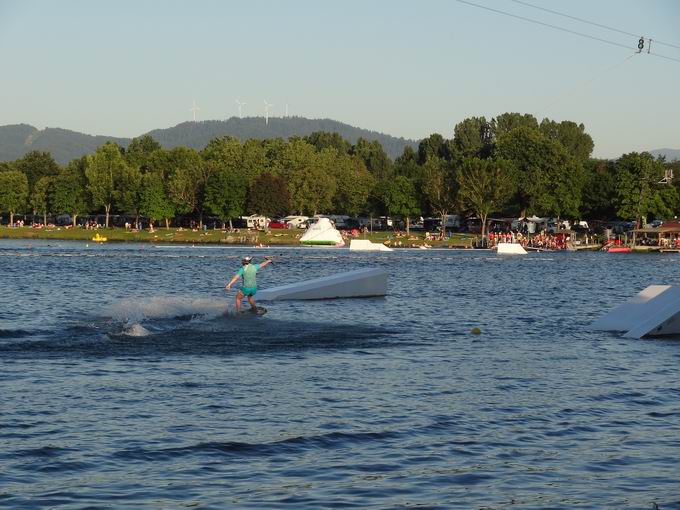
123	384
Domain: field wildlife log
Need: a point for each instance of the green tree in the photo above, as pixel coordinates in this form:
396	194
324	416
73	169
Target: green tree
572	136
104	171
254	160
225	194
268	195
485	185
638	189
69	189
472	138
225	151
160	162
439	187
309	176
13	193
275	150
599	189
155	203
434	146
374	157
353	184
185	179
224	168
507	122
37	164
129	189
547	179
140	150
401	200
325	140
40	197
407	164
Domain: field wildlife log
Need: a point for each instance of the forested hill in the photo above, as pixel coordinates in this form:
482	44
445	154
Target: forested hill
64	145
197	134
670	154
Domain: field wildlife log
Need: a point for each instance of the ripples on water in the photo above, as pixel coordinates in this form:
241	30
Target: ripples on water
128	382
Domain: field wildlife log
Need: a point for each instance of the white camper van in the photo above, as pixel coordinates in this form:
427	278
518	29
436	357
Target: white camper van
296	221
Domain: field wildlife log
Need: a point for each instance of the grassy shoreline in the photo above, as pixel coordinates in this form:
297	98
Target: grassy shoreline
241	238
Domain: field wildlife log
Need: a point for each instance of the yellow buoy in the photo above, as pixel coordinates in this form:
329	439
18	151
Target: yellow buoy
476	331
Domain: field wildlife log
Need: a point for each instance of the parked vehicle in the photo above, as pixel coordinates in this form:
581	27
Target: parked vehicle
296	221
554	226
278	223
255	221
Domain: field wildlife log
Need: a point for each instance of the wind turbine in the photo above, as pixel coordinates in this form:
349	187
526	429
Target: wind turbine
266	111
194	109
286	109
240	104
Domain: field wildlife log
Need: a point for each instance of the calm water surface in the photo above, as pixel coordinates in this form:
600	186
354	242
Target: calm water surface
124	384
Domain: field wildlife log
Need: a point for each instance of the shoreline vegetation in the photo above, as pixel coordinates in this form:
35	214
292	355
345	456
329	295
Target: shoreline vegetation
238	237
511	166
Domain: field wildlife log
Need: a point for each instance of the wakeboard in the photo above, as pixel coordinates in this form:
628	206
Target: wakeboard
260	310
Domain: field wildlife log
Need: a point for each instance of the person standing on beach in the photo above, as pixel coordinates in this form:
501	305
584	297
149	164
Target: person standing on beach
249	286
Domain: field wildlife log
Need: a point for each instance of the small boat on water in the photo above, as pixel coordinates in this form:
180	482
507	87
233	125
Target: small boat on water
322	233
99	239
619	249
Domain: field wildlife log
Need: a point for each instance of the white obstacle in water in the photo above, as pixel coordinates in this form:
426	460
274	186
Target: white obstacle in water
653	311
367	245
323	232
511	249
352	284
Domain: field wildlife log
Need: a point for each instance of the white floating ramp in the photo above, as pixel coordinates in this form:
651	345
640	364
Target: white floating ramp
511	249
322	233
367	245
352	284
653	311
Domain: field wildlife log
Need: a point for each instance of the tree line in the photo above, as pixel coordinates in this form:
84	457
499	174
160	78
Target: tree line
511	165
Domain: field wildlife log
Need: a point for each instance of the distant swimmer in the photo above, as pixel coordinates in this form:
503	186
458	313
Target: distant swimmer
249	286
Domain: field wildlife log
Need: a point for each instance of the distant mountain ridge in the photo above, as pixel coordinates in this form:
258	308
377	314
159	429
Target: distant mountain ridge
18	139
670	154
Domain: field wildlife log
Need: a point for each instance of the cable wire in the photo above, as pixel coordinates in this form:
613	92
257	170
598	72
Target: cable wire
556	27
544	24
592	23
664	56
584	84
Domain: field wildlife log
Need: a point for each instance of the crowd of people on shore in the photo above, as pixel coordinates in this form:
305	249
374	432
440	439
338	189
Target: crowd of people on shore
542	240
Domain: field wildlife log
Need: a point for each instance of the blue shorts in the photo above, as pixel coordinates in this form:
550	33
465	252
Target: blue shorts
249	291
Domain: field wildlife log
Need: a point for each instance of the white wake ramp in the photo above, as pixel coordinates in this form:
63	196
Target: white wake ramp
367	245
352	284
511	249
653	311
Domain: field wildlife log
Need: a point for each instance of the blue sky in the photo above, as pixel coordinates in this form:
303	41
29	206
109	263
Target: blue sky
404	68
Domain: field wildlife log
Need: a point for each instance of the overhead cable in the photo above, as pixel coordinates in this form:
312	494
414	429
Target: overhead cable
556	27
656	41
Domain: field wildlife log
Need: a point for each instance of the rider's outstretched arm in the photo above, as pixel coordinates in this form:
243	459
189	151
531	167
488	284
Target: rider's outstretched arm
233	281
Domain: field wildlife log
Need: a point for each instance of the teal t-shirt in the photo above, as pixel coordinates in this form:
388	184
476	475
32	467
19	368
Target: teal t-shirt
248	273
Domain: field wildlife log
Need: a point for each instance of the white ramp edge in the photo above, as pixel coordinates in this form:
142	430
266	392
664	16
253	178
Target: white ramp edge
367	245
510	249
624	317
351	284
653	311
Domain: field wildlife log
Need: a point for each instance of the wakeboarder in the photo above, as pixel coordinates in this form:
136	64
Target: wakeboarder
248	288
